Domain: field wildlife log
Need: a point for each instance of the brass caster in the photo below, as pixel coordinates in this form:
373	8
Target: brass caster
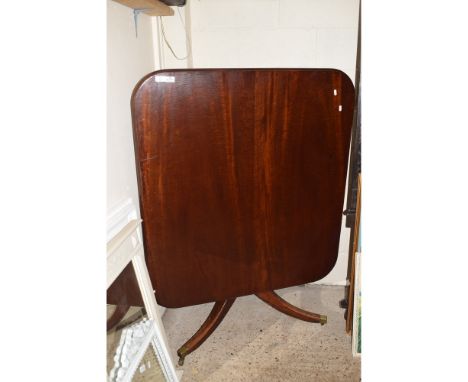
182	352
181	361
323	320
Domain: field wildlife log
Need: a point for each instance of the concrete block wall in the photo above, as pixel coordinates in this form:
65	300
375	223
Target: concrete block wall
177	30
275	33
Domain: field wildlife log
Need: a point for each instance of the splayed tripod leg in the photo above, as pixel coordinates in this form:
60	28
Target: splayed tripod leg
275	301
215	317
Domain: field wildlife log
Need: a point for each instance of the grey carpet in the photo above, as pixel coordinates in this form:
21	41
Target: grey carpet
257	343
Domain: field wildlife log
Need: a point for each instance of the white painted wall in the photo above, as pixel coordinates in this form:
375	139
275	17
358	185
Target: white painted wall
275	33
128	60
177	30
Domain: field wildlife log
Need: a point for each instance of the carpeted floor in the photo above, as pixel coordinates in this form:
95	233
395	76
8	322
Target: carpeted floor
257	343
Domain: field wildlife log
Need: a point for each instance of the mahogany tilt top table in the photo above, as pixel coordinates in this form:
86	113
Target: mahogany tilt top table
241	176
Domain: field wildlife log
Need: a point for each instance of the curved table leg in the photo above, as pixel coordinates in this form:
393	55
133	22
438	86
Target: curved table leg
272	299
215	317
119	313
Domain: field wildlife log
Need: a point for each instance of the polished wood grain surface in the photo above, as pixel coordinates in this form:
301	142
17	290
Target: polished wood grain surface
216	316
241	177
275	301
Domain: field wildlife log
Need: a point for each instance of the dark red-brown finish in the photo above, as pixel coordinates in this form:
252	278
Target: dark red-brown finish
117	316
217	314
241	176
275	301
124	291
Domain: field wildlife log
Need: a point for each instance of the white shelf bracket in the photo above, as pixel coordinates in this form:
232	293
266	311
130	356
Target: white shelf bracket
136	13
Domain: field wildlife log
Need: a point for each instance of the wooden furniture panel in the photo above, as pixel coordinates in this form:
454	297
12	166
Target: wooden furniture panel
241	176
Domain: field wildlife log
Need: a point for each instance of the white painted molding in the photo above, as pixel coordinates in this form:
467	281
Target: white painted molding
122	236
117	263
118	217
147	292
118	260
123	223
134	342
126	246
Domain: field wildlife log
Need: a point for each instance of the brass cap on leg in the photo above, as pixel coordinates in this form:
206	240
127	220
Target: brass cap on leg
323	320
182	352
181	361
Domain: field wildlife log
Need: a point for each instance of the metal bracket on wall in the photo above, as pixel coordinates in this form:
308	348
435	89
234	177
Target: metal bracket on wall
136	12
